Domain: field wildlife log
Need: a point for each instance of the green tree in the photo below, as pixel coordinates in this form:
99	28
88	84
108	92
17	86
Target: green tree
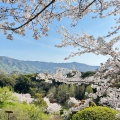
88	90
39	101
6	97
72	90
95	113
6	80
62	93
52	93
80	91
23	84
87	74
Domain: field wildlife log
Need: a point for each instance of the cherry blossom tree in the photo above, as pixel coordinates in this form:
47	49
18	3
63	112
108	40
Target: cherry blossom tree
17	16
109	71
107	94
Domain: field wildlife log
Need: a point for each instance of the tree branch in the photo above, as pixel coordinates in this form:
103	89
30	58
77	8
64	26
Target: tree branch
88	6
32	17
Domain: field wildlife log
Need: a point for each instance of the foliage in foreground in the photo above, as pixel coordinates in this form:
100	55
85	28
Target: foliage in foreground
23	112
6	95
95	113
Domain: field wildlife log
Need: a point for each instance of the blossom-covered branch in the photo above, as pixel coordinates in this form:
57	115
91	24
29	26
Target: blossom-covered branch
19	15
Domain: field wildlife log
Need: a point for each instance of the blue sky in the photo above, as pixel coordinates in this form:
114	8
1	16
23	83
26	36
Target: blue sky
26	48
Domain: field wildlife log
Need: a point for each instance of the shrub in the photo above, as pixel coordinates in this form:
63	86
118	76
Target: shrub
95	113
23	112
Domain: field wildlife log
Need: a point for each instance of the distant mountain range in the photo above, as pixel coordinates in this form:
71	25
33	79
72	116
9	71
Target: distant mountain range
10	65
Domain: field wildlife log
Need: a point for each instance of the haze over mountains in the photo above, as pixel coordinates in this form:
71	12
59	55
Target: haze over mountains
10	65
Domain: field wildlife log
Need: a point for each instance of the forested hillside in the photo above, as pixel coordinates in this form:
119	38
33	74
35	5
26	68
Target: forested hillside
10	65
55	91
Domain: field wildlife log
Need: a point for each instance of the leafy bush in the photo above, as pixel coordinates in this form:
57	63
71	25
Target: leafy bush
6	95
39	101
95	113
23	112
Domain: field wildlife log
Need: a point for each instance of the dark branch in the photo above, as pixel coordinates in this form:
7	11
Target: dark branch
115	31
13	29
88	6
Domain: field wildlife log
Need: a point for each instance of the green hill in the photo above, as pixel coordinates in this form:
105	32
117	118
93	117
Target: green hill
10	65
